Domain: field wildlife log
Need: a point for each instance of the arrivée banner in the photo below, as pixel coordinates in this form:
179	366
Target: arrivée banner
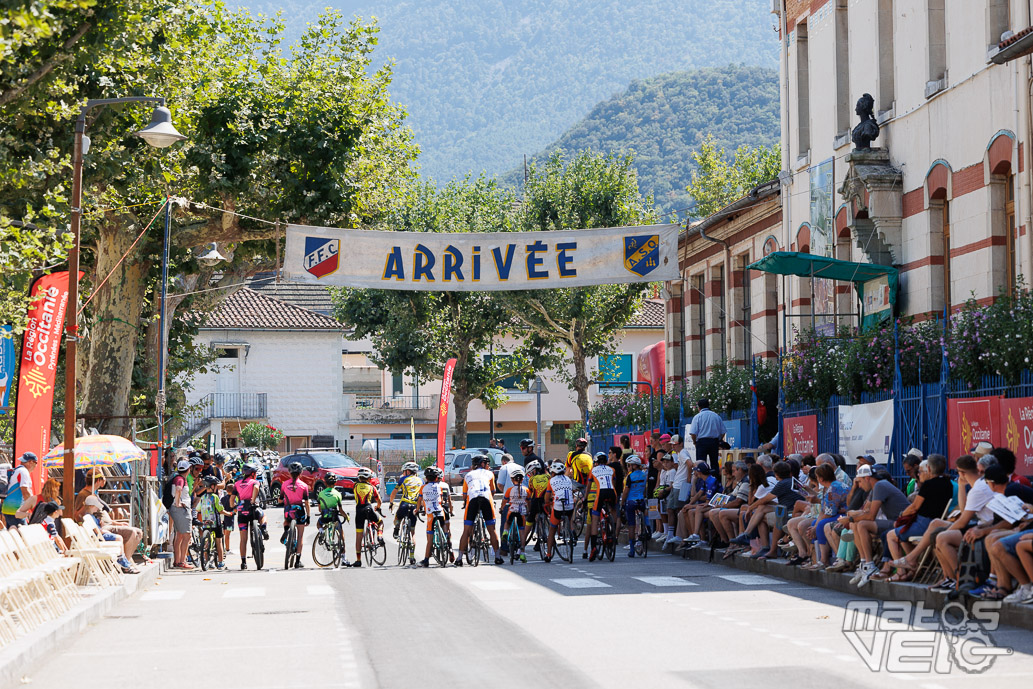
477	262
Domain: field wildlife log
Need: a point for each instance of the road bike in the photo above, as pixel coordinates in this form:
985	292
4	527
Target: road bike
441	548
479	546
607	533
642	530
291	557
328	545
577	523
406	542
209	549
513	541
540	532
373	548
566	539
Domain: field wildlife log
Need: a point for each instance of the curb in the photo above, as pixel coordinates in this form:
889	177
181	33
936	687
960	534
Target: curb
21	656
1014	615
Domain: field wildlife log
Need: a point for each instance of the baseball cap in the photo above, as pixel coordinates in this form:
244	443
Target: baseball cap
863	471
94	501
28	457
183	465
916	452
675	439
703	467
665	438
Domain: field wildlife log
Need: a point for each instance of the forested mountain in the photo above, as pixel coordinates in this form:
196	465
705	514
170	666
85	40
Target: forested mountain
664	119
486	81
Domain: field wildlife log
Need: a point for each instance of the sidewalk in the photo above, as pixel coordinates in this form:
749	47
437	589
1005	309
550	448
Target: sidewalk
32	649
1011	614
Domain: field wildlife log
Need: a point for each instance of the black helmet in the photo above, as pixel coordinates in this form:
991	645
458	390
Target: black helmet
480	460
211	481
432	473
250	468
220	457
526	442
294	468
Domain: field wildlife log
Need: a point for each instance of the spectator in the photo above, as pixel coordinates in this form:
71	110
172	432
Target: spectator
981	449
130	535
911	464
50	492
1000	540
19	500
707	430
626	450
94	479
91	508
680	486
5	471
876	518
690	517
726	519
502	445
833	497
180	514
493	444
503	480
935	493
1007	460
616	462
800	525
51	513
760	485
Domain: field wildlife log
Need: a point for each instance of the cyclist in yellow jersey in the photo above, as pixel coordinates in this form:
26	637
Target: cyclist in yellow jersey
366	495
409	486
538	485
579	464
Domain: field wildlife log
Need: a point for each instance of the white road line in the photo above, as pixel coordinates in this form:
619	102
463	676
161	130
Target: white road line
320	590
163	595
666	581
581	583
750	579
496	586
245	592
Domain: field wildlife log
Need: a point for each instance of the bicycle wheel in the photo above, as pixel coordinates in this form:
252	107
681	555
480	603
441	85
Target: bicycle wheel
195	546
578	522
379	550
367	544
541	535
485	544
439	547
609	538
566	540
337	543
642	545
257	544
323	548
207	548
513	539
291	545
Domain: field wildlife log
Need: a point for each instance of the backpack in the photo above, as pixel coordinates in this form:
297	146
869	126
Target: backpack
972	566
166	492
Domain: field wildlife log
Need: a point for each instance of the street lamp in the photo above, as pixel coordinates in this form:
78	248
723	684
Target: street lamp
159	133
539	388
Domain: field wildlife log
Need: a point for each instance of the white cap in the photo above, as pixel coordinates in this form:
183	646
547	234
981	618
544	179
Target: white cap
916	452
863	471
675	439
183	465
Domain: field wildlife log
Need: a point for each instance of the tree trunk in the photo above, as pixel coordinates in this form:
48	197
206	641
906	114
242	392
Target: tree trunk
580	381
113	335
461	396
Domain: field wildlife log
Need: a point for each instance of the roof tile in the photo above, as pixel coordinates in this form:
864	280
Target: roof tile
246	309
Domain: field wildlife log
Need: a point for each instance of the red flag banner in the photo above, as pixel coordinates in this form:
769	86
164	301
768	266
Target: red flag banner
446	388
800	435
1017	431
972	421
41	345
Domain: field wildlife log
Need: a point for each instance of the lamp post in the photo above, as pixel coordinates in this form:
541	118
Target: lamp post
159	133
539	388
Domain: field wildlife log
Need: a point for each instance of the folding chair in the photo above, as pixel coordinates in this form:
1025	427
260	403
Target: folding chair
98	562
928	568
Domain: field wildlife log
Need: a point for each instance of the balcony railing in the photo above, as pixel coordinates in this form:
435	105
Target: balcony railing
399	402
236	405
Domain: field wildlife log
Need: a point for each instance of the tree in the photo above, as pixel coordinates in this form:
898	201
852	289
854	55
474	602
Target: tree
312	137
417	332
591	190
716	182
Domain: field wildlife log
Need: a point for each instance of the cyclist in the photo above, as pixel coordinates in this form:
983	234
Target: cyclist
560	496
478	498
410	486
603	490
538	485
209	510
247	512
634	499
515	502
331	509
366	495
432	499
295	508
579	464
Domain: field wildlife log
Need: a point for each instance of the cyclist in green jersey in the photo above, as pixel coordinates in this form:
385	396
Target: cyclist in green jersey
331	508
409	486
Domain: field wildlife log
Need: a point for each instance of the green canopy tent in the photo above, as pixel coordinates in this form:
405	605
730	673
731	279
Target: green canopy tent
876	285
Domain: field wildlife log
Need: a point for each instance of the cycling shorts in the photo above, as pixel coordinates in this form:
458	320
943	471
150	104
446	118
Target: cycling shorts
480	505
227	521
607	496
631	507
521	520
363	514
297	513
247	513
436	516
557	515
328	518
406	511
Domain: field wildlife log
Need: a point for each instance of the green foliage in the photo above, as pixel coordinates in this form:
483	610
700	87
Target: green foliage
262	436
668	121
994	340
572	433
717	182
487	82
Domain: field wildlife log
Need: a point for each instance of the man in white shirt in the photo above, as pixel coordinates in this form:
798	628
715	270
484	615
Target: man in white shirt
19	501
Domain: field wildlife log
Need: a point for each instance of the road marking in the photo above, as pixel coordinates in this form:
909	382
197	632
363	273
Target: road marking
245	592
320	590
749	579
496	586
581	583
666	581
162	595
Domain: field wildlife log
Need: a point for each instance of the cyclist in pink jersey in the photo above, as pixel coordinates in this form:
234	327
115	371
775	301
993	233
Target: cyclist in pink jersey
295	507
246	488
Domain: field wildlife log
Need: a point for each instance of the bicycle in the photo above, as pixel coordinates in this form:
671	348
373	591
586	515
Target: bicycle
208	546
644	535
372	547
328	545
580	513
540	533
566	539
479	543
194	549
513	540
291	557
407	544
257	544
441	549
607	533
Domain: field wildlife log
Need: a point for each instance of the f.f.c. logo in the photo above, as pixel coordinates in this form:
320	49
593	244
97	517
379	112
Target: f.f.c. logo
642	254
322	256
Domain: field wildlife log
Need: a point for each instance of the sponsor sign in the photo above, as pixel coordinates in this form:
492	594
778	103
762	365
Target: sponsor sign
800	435
7	365
1017	431
866	429
445	261
969	422
446	389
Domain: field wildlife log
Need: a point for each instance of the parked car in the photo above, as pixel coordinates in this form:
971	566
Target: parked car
320	467
457	463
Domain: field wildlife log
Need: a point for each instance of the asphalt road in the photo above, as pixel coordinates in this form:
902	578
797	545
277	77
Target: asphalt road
656	622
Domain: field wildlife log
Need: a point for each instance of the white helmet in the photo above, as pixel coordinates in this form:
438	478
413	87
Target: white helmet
634	459
516	471
556	468
411	466
534	466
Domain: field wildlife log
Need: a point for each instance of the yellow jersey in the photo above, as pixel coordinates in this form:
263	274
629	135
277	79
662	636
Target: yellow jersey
364	493
538	484
581	464
409	488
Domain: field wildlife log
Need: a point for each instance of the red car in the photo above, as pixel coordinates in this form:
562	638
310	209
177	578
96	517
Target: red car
320	467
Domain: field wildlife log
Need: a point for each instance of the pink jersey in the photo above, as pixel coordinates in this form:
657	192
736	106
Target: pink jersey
246	488
294	493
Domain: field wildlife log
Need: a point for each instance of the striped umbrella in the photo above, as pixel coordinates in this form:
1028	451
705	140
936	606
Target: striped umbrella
96	451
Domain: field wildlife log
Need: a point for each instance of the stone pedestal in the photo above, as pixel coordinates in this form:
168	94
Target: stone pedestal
873	191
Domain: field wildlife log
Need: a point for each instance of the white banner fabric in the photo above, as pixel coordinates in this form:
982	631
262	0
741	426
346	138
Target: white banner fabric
498	261
866	429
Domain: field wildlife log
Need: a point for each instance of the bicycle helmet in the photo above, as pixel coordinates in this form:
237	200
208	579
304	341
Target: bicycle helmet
196	461
250	469
411	466
432	473
582	441
516	471
220	457
364	474
480	460
294	468
526	442
533	467
556	468
211	481
634	459
600	458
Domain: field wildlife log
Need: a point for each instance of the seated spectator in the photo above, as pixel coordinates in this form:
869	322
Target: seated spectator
911	464
1024	551
1000	539
51	492
51	513
1007	460
725	519
784	495
833	503
753	518
91	510
800	524
876	518
929	503
690	519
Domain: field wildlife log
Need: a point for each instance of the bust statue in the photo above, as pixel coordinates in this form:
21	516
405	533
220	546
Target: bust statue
867	130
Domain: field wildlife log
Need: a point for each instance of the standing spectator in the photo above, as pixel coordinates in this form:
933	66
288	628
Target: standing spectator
676	500
527	450
493	444
626	450
180	513
707	430
502	445
19	499
503	480
619	472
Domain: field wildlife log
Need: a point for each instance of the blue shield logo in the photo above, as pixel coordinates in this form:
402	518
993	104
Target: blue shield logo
322	256
642	254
